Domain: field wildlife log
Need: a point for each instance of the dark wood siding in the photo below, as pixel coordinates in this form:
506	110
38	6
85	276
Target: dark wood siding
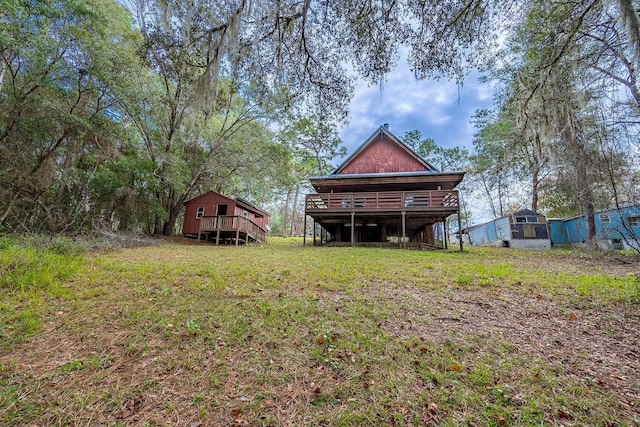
529	231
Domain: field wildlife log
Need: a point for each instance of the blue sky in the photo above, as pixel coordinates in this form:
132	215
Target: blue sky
438	109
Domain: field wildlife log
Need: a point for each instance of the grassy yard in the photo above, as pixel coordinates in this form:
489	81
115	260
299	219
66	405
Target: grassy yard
283	335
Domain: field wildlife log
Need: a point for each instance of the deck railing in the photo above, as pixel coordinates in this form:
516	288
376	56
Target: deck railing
239	224
383	201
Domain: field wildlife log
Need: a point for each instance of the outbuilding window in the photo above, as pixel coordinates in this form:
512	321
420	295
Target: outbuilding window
525	219
634	221
604	219
200	212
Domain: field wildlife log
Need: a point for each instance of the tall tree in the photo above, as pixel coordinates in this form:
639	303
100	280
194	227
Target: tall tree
314	143
315	139
443	159
489	165
61	65
222	65
560	65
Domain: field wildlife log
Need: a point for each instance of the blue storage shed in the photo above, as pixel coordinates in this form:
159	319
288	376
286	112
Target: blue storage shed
615	228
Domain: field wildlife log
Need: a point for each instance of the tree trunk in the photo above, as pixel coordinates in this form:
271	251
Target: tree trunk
170	224
580	158
173	210
157	226
286	213
465	212
501	205
535	188
631	21
586	195
3	67
293	209
488	193
536	167
5	212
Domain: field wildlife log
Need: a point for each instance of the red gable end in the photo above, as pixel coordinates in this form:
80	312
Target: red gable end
383	153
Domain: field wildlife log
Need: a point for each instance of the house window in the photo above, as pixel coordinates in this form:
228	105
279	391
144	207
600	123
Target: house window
634	221
245	214
604	219
199	212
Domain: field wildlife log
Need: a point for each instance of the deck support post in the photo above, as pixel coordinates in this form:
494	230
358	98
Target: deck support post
353	228
217	224
314	232
304	230
444	232
459	230
238	233
404	229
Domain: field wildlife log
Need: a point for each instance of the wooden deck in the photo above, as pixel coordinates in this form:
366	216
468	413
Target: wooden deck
227	228
387	201
379	217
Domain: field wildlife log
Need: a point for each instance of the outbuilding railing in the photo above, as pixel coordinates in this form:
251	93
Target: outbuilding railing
239	224
383	201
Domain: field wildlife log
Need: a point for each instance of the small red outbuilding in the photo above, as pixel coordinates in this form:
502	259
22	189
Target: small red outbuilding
219	217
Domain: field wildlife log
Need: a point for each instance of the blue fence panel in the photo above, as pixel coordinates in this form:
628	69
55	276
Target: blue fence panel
558	231
577	230
491	231
478	235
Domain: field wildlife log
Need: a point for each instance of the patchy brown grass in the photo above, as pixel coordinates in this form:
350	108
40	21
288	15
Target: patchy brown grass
598	344
278	335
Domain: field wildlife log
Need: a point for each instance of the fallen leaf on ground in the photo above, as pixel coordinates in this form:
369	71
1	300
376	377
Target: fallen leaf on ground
565	415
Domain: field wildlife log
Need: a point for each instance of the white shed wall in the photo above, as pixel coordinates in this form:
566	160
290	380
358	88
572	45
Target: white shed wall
530	243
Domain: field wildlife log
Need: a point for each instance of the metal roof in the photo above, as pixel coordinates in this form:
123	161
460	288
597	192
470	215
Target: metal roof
381	174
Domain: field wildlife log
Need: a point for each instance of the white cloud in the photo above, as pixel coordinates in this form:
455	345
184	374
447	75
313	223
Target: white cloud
438	109
485	91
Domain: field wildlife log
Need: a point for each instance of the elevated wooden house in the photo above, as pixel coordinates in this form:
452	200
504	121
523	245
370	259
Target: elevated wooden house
223	219
383	194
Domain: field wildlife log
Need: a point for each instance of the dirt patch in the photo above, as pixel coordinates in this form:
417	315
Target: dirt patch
600	345
613	263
